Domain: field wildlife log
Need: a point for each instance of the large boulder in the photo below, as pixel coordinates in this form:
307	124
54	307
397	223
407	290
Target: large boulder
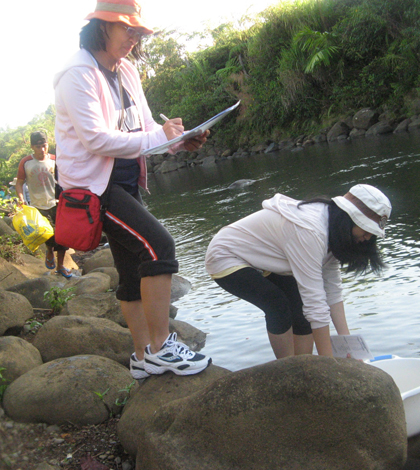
355	133
5	229
167	167
101	259
155	392
112	273
91	283
66	336
9	274
102	305
33	290
414	124
303	412
381	127
80	390
402	126
195	338
340	130
17	357
34	266
15	311
179	287
414	447
365	118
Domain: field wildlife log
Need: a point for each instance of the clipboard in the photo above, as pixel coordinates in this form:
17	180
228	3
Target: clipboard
192	133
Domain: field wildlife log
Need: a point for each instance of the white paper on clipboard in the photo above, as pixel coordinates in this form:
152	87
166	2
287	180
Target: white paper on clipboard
192	133
354	345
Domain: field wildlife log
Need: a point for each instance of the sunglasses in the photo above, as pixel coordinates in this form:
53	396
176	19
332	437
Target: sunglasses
132	33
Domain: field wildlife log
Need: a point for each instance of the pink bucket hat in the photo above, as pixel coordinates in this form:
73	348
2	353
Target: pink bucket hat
124	11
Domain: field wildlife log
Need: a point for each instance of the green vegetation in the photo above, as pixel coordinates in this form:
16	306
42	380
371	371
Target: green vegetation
33	325
127	391
58	297
15	144
118	402
11	247
296	67
3	383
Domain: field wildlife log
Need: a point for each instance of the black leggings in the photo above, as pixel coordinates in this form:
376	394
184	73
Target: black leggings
140	244
277	296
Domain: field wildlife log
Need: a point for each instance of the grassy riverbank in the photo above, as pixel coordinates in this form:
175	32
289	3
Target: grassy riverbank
297	67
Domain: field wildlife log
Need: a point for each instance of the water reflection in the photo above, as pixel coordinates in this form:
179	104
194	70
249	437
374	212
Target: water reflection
194	204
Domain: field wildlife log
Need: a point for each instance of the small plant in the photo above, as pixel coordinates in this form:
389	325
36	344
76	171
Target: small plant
8	204
102	397
3	383
118	402
33	325
11	247
58	297
127	390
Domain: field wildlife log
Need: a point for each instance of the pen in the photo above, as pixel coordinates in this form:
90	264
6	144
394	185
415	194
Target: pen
166	119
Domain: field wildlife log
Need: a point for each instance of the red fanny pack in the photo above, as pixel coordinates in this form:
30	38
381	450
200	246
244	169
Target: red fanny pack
79	219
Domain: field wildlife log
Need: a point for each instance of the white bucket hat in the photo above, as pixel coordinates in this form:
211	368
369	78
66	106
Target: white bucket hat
368	208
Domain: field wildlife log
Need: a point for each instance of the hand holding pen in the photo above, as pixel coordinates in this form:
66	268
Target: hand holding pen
172	127
194	143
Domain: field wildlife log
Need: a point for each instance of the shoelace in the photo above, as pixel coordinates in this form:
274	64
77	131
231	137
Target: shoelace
180	349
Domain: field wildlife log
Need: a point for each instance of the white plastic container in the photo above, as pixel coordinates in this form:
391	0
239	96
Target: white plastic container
406	375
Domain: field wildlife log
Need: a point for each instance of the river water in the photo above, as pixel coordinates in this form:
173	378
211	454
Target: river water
195	203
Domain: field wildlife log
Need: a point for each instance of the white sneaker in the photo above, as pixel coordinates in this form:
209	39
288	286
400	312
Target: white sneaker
137	368
174	356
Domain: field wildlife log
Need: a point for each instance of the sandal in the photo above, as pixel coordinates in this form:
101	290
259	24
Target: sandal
49	264
64	272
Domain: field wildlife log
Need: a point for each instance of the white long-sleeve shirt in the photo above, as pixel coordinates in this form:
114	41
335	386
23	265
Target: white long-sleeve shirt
284	239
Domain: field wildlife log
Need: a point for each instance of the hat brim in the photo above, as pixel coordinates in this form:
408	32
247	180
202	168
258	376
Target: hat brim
113	17
360	219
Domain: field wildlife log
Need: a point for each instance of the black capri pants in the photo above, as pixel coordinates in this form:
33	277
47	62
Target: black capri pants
140	244
277	296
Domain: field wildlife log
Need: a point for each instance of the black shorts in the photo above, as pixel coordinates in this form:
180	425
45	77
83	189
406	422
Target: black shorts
277	296
140	244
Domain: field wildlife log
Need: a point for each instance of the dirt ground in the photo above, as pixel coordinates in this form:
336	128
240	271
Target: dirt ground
95	447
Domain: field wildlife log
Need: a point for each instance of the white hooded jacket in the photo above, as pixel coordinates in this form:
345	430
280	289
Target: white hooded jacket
284	239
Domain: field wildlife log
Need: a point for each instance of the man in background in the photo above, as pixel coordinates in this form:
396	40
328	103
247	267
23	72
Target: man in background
38	170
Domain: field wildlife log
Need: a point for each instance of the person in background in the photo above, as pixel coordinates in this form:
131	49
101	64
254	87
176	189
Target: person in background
11	193
103	120
26	196
37	172
286	258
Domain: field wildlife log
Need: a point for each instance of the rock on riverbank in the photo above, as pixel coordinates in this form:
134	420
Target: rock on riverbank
364	123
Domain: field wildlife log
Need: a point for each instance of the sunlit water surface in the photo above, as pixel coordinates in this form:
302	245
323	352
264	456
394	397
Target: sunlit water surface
195	203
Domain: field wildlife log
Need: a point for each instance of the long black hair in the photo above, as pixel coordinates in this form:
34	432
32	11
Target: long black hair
358	257
92	38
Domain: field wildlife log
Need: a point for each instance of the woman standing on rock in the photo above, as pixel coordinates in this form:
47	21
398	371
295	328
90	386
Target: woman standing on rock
102	118
286	258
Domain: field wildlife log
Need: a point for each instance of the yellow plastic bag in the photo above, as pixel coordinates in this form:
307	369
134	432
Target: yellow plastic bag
32	226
